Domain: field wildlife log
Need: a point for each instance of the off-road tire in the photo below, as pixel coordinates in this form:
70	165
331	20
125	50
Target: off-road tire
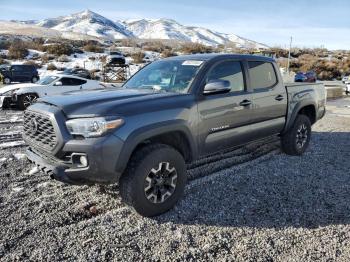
23	100
133	182
289	141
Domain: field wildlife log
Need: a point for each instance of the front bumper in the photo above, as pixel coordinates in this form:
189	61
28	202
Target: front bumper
102	156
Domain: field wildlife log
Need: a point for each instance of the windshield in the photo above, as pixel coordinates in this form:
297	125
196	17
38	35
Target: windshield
68	71
47	80
4	67
166	75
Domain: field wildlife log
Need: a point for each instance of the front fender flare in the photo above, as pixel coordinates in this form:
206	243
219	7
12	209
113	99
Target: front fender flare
147	132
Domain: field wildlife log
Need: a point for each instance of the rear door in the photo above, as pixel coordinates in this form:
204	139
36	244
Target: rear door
27	72
224	118
269	98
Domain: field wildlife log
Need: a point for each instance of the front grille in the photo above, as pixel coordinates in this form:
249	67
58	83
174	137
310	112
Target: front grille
39	131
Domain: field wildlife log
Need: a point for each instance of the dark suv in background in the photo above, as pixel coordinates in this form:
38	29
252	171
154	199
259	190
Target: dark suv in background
19	73
309	77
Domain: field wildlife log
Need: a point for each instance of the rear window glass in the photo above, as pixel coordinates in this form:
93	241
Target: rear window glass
262	74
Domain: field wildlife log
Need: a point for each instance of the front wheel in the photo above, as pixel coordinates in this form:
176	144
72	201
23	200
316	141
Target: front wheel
297	139
154	180
26	100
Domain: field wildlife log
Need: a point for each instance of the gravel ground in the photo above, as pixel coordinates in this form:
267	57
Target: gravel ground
252	204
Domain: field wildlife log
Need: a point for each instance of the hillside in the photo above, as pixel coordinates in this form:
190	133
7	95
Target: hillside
92	24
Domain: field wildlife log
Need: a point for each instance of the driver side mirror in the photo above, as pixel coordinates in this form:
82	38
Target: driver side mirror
58	83
217	87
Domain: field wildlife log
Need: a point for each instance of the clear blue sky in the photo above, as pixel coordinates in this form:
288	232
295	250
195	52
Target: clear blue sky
312	23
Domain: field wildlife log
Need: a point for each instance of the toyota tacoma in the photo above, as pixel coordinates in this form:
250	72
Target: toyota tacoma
171	112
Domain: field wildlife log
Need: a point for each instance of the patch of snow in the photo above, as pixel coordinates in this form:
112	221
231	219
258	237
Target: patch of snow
33	171
44	184
17	189
19	156
11	144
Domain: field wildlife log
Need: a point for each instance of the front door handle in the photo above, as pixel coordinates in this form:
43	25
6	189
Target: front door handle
245	103
279	97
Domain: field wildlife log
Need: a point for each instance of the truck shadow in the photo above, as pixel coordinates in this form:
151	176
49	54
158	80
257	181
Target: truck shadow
284	191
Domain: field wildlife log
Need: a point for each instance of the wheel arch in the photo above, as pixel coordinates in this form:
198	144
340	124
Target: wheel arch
173	134
307	108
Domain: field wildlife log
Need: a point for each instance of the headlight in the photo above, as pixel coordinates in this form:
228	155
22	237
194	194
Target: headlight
93	127
10	92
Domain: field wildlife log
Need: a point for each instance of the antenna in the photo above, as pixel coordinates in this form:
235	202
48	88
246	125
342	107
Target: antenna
290	47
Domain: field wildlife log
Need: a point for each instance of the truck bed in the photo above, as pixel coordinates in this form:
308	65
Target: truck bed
300	94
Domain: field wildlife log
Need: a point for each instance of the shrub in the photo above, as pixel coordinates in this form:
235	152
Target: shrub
156	46
63	58
51	67
128	42
93	48
195	48
17	51
31	62
46	58
168	53
59	49
5	44
3	61
138	57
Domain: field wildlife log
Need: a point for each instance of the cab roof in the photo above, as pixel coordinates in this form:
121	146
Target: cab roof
210	56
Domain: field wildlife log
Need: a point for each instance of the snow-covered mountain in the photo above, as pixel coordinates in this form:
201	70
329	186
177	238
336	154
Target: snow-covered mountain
170	29
87	22
93	24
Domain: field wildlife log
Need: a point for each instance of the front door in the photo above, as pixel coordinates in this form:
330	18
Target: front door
17	73
225	118
69	84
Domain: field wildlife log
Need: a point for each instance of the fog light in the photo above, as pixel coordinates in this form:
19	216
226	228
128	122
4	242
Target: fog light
83	161
79	160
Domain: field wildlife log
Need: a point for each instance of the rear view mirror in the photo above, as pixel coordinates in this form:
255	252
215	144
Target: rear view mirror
58	83
217	87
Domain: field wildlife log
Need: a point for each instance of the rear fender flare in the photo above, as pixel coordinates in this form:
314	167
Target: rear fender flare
291	117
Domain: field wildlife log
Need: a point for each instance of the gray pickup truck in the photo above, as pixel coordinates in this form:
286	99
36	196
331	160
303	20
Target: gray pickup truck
171	112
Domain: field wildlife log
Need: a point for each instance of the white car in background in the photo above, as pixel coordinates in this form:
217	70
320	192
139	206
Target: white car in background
23	95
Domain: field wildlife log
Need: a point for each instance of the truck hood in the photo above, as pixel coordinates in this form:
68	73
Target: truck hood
104	102
16	86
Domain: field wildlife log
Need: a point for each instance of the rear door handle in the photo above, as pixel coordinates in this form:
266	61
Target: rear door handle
279	97
245	103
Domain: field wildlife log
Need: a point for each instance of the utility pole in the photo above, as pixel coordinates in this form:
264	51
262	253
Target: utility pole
290	47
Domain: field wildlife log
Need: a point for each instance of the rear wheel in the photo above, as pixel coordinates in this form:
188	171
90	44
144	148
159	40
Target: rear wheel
154	180
297	139
34	79
26	100
7	80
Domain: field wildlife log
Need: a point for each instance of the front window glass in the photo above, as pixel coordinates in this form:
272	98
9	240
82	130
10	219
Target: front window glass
230	71
166	75
46	80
